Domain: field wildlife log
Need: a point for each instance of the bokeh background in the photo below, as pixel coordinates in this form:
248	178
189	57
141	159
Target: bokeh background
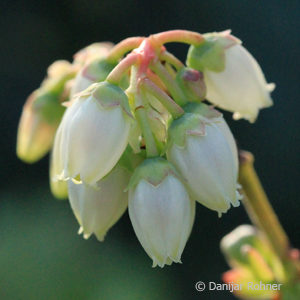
41	255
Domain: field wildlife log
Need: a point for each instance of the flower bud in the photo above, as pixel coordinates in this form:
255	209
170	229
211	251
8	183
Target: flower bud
39	120
232	243
42	113
95	131
160	210
192	83
254	263
58	69
246	247
92	52
98	208
94	71
203	150
234	79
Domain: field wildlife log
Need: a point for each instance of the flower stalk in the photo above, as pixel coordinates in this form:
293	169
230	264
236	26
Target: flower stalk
174	109
178	36
175	91
171	59
119	50
259	207
117	73
151	148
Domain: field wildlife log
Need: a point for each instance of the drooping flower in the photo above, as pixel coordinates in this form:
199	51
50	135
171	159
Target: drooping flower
234	79
203	150
94	131
98	208
42	113
161	212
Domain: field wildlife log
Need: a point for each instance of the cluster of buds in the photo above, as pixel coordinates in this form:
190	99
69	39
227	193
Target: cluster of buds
136	133
256	269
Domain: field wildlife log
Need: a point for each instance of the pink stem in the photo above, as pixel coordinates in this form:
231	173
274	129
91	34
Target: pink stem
182	36
116	74
120	49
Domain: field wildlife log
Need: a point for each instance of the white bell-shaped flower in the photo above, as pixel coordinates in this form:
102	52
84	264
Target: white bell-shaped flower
204	152
234	79
161	212
98	208
241	87
94	133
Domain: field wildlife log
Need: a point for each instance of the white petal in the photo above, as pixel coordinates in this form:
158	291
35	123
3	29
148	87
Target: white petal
98	209
58	186
241	87
161	217
80	83
95	140
209	165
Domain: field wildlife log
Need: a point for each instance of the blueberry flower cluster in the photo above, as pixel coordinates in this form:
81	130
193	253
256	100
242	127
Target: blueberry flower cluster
127	127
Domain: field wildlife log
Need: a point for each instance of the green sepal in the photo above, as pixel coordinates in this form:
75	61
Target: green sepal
204	110
47	105
97	70
48	98
210	54
108	95
130	160
187	125
153	170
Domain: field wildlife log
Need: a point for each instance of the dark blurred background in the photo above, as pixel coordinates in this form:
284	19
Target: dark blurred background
41	255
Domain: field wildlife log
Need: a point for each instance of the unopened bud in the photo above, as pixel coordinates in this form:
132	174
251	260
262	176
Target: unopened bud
42	113
40	118
192	83
92	52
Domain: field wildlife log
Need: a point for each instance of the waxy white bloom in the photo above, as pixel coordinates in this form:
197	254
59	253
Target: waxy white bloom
94	133
160	210
234	79
204	152
98	208
241	87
